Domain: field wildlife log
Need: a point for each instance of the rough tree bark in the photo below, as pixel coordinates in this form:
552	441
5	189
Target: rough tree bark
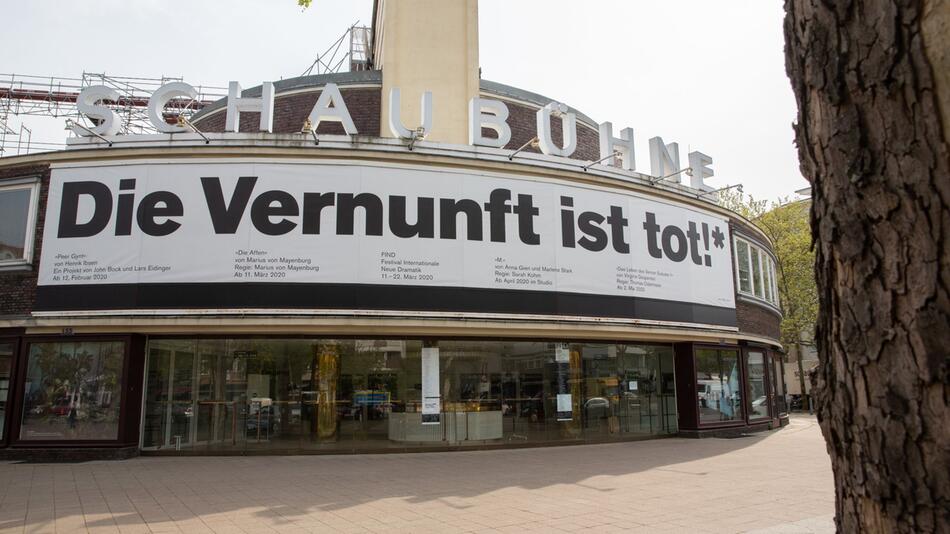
870	80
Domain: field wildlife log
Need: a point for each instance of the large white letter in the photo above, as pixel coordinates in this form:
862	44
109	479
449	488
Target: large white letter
610	144
160	97
395	119
664	159
88	105
699	163
491	114
338	113
568	130
237	105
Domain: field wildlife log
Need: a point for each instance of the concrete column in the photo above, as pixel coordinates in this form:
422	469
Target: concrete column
429	45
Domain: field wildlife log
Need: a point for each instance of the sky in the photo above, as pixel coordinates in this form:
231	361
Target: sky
708	75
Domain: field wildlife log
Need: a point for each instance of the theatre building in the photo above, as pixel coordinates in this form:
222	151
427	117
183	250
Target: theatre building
404	257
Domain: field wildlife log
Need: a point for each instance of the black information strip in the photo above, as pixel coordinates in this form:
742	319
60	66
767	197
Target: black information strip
372	297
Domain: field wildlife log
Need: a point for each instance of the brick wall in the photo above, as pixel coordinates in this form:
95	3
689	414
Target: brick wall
757	319
18	288
524	125
365	107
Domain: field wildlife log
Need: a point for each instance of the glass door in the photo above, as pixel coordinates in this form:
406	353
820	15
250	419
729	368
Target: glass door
777	386
216	407
267	404
759	396
170	416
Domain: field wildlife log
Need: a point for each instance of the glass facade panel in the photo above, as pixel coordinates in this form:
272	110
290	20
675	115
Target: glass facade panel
284	394
756	273
758	397
775	295
6	364
719	394
745	273
778	384
14	221
73	391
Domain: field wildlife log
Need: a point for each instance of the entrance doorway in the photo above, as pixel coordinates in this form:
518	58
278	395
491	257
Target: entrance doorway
777	387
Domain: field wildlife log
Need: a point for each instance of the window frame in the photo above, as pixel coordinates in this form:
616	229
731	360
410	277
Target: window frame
33	185
758	285
775	295
22	363
742	418
766	261
766	383
739	266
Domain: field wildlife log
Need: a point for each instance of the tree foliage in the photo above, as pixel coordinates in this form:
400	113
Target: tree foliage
787	226
304	3
786	223
735	200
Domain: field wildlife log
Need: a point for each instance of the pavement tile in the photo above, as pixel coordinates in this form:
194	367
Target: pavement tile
772	483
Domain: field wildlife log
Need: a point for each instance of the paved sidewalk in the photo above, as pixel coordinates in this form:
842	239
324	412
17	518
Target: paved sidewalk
778	482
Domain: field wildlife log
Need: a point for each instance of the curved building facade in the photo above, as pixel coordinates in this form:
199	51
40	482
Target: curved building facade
310	289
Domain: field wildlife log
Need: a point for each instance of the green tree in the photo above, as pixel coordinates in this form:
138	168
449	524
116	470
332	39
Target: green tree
788	227
786	223
745	205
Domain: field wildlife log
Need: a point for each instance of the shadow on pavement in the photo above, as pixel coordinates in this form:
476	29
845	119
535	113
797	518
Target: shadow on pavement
284	487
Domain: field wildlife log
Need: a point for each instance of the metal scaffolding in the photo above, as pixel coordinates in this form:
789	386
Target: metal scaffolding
356	56
55	97
52	96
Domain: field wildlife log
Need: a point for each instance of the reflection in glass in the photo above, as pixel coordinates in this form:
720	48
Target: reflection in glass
756	273
758	398
284	394
745	274
73	391
719	395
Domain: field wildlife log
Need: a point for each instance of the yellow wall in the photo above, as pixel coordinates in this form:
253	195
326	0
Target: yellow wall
429	45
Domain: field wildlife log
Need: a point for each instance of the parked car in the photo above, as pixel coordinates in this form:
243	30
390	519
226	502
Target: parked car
61	406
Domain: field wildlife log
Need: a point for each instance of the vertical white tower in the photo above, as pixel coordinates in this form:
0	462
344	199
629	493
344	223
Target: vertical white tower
429	45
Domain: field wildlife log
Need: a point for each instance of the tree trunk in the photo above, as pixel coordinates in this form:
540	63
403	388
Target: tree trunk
870	78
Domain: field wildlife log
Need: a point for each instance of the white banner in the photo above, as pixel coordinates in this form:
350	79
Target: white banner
431	399
339	223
